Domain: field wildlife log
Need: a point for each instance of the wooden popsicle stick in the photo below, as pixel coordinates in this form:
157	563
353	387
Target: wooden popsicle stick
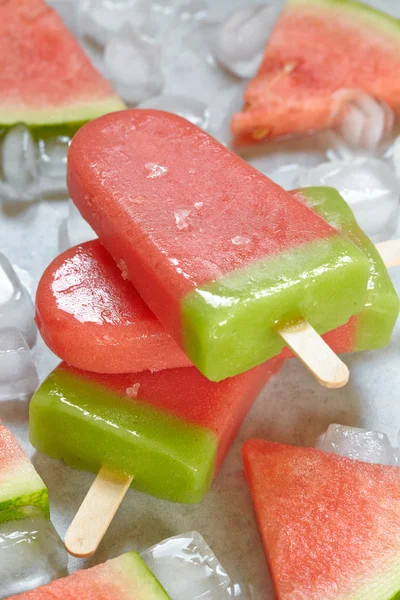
315	354
96	513
390	252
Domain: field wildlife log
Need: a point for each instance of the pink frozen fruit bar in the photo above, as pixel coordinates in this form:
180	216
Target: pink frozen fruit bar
330	525
20	485
221	254
170	430
95	320
123	578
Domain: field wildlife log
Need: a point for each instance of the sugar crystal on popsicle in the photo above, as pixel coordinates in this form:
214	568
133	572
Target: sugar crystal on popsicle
222	255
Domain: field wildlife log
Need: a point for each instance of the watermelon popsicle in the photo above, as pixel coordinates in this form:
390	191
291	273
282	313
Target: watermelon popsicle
20	485
224	257
329	524
94	319
123	578
164	433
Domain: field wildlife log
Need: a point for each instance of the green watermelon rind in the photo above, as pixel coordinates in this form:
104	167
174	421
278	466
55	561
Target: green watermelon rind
385	585
144	584
55	116
372	16
12	509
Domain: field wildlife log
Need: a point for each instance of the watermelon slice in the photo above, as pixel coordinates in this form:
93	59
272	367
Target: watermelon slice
45	78
122	578
322	54
20	485
330	525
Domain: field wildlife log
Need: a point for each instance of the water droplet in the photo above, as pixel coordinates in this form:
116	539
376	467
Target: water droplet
182	219
123	268
138	200
155	170
239	240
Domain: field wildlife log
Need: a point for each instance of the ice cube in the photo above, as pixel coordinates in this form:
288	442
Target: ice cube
240	40
132	62
189	108
187	568
18	376
74	229
242	591
53	154
192	9
369	186
19	163
31	554
16	307
101	20
366	122
359	444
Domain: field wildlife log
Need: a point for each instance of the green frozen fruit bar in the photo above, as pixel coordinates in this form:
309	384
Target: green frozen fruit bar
123	578
20	485
170	430
373	327
222	255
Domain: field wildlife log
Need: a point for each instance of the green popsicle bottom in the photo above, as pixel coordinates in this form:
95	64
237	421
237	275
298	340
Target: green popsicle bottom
228	329
87	426
376	322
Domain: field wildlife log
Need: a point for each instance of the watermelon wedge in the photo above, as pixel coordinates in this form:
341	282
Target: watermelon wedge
46	80
123	578
330	525
322	54
20	485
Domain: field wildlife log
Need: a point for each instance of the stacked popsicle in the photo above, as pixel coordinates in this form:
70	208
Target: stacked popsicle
233	267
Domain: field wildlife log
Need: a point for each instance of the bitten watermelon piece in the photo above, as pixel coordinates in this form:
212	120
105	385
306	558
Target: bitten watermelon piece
321	55
20	485
123	578
330	525
45	77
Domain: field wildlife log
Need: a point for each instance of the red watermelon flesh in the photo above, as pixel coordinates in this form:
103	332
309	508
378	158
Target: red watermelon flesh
321	55
45	76
122	578
330	525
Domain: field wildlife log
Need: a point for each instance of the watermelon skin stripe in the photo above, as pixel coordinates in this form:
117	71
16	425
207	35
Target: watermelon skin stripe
13	510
